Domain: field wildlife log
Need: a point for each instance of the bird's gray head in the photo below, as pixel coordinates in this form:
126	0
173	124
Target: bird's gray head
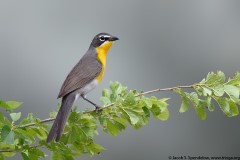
101	38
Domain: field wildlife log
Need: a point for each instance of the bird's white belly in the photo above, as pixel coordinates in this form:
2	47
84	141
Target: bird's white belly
89	87
86	89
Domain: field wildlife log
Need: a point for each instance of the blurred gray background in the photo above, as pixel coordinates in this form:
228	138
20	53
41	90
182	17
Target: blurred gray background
162	44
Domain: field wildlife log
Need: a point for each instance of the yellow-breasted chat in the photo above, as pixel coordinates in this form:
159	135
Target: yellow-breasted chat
83	78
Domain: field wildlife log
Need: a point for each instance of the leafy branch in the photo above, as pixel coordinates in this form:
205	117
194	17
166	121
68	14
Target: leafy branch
120	109
111	104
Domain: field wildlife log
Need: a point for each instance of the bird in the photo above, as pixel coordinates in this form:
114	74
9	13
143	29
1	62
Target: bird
83	78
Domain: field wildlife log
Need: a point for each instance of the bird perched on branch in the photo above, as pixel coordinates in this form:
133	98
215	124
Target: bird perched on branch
84	77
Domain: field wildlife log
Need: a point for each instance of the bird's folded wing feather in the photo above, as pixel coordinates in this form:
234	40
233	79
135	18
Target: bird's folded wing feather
83	72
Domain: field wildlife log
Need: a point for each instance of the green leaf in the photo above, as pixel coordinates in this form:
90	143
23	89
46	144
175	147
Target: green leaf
106	93
201	113
233	108
2	157
232	91
73	134
123	121
24	156
206	91
41	133
218	90
112	128
15	116
10	104
7	135
164	115
129	100
221	77
235	81
1	117
58	156
105	100
194	98
224	105
148	103
185	104
132	116
53	114
199	90
116	87
94	148
209	104
9	154
215	78
155	110
5	146
35	154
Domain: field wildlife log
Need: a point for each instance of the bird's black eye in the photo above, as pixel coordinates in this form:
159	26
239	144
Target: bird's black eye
102	38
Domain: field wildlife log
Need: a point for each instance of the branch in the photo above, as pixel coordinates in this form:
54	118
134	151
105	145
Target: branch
111	104
102	108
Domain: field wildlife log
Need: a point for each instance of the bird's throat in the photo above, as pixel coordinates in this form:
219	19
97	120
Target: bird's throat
101	55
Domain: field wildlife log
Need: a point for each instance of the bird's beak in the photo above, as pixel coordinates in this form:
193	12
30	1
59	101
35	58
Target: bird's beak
113	38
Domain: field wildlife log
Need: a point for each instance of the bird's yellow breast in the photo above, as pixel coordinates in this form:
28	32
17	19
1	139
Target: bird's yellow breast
101	55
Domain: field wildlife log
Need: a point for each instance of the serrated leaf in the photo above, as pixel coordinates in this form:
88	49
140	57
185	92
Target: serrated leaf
7	135
232	91
184	105
201	113
15	116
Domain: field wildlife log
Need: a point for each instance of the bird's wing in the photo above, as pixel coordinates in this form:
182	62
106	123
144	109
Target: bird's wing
84	72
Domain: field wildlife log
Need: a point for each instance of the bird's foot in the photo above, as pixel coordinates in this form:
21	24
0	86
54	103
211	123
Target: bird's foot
97	109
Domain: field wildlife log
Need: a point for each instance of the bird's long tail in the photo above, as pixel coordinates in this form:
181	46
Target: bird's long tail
59	123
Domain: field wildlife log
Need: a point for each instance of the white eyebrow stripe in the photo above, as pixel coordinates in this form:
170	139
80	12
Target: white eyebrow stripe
105	36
